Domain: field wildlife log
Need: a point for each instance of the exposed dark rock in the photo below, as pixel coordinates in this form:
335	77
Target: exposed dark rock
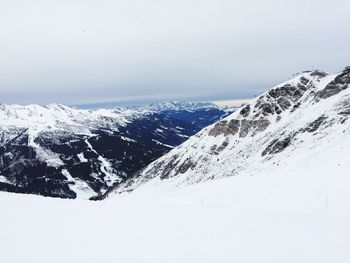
282	98
213	149
243	127
287	91
344	112
344	106
253	127
266	109
187	164
167	166
346	70
296	106
283	103
225	127
223	146
340	83
245	111
313	126
277	145
304	81
318	73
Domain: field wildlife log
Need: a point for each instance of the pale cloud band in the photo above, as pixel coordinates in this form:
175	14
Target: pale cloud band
92	51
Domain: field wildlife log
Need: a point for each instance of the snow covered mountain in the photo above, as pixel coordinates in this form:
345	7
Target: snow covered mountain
288	200
176	106
199	114
300	126
65	152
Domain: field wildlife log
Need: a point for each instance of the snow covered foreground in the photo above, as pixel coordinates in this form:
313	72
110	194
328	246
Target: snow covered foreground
286	217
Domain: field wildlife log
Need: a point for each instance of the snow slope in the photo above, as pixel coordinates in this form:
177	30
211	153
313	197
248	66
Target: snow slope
228	220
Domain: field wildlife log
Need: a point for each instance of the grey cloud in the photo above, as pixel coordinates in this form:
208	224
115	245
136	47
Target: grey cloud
92	51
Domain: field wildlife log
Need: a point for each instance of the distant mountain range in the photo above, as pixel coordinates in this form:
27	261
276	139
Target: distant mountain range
66	152
301	125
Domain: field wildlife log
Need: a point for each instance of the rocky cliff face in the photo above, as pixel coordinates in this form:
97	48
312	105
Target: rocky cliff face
284	127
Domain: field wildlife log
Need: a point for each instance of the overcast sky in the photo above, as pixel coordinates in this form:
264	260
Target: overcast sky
86	51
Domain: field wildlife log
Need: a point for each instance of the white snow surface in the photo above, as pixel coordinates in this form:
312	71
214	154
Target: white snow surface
57	116
269	218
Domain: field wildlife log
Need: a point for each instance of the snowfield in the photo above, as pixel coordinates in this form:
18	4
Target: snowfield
286	217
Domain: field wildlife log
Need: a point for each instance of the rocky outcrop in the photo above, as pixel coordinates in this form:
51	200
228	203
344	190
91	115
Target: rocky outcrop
255	118
340	83
225	127
313	126
278	145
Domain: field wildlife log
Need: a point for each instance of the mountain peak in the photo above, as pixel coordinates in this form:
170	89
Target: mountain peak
346	69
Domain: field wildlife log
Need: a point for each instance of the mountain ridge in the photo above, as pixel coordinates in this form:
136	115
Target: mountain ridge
288	121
